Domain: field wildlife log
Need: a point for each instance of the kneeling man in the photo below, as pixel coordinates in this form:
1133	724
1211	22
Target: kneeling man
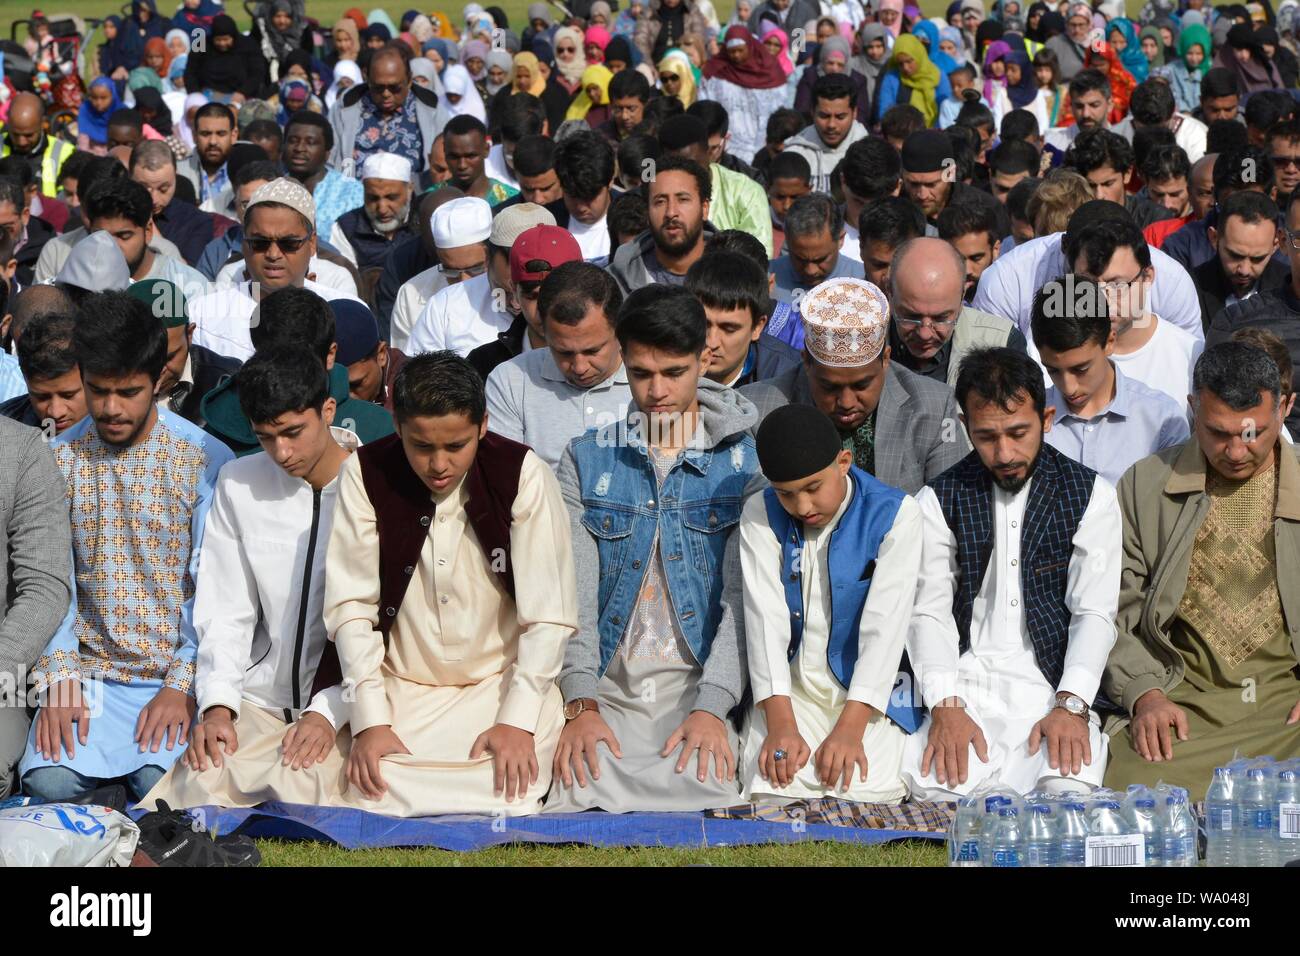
1015	605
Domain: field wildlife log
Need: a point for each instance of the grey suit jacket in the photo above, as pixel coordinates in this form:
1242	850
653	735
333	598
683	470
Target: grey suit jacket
37	567
918	433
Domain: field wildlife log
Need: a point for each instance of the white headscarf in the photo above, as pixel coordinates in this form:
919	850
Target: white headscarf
192	101
344	69
457	81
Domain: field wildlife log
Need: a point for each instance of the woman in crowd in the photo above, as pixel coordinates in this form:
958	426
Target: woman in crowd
570	60
749	84
1244	55
347	41
913	79
1185	73
592	102
1123	39
665	24
92	118
676	78
832	57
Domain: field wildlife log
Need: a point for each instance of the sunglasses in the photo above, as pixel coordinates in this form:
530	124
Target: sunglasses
1283	161
287	244
667	78
393	88
566	49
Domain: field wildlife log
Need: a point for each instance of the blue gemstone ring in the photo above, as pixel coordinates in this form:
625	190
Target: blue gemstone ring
778	755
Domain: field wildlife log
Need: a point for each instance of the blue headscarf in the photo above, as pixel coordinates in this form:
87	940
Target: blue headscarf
93	122
928	33
1026	91
1133	58
446	49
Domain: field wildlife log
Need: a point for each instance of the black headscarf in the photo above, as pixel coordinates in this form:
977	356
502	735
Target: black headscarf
149	100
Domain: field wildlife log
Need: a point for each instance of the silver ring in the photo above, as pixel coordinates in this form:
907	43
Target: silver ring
778	755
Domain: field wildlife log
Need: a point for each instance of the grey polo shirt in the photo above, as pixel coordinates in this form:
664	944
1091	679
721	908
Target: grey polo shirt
530	401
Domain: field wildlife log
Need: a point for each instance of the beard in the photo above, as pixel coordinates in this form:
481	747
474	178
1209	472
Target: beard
1013	485
689	238
392	225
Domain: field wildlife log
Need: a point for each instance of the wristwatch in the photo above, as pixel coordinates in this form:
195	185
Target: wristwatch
578	706
1073	704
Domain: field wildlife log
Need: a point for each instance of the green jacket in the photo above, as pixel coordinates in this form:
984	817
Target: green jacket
740	203
1164	503
225	419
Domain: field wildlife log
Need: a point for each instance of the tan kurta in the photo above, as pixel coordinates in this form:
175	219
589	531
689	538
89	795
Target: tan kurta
462	657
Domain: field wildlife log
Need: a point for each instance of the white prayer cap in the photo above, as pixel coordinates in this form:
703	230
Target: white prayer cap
386	166
844	322
515	220
284	192
462	222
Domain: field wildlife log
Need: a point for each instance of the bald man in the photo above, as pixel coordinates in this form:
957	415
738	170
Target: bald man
25	136
33	301
932	327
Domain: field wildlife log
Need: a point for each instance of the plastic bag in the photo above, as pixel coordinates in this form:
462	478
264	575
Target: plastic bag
65	834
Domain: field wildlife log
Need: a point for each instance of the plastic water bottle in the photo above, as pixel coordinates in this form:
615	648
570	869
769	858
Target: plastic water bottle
1007	844
1105	819
1071	835
1180	831
1258	838
1040	836
1288	815
992	804
1141	816
1220	819
964	848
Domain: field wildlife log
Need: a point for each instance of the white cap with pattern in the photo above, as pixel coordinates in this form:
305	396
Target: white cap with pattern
845	322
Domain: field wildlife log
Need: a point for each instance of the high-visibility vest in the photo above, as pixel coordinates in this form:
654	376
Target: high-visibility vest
55	155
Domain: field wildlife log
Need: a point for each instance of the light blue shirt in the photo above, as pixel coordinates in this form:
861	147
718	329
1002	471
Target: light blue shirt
1139	421
12	383
788	284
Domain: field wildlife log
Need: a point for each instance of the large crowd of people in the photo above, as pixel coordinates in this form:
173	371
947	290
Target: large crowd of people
629	409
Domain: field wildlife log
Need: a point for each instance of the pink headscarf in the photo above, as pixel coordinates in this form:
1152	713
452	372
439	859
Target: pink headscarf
896	27
599	36
769	29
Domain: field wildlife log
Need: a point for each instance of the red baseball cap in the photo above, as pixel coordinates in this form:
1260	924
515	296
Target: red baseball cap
539	250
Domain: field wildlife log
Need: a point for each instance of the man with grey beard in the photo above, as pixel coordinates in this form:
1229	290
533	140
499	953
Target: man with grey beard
366	234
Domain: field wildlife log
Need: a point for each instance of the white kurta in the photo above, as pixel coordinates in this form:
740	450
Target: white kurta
997	677
816	696
461	317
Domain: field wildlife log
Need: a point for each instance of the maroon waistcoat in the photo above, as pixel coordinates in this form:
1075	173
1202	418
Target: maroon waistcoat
404	509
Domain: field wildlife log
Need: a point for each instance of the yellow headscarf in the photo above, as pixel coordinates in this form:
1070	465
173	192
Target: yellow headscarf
529	62
923	82
600	76
677	63
442	27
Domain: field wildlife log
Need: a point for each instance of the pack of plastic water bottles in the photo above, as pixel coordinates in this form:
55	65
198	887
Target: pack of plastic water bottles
1145	827
1252	813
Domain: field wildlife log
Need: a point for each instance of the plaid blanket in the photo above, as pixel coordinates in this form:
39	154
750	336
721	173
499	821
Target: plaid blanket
913	815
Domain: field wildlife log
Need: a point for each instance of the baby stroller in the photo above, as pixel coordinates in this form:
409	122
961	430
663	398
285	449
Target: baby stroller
55	72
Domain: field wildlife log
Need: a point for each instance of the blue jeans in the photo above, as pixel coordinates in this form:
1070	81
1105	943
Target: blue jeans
59	784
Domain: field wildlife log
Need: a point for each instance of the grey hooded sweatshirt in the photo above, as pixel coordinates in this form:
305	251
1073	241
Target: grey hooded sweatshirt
822	158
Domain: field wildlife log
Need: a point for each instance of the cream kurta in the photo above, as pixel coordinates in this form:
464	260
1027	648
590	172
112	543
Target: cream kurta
462	656
816	696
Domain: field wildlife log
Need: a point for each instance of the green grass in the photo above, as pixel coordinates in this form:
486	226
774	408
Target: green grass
280	853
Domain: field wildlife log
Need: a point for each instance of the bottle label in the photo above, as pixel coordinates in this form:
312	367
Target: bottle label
969	852
1260	819
1288	821
1116	850
1219	818
1009	857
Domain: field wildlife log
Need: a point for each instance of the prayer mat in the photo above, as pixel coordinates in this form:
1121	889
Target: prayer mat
916	817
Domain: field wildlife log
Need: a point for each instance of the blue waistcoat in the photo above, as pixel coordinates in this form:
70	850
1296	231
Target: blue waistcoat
852	551
1058	496
692	516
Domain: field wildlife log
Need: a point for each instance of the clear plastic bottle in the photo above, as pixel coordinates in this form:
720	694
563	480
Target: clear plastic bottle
992	804
1071	835
1007	843
1288	814
1041	848
964	845
1141	816
1220	819
1180	830
1106	819
1258	838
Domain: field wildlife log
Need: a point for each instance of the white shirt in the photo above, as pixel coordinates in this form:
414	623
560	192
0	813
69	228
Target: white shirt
882	631
495	167
461	317
339	240
593	240
998	627
221	317
1008	285
1165	363
850	246
411	299
1189	133
328	275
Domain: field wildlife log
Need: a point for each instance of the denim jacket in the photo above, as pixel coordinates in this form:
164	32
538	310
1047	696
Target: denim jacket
617	509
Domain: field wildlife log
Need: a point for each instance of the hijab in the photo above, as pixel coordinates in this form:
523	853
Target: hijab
421	28
928	34
953	36
1024	93
1257	73
142	76
423	66
864	64
497	58
620	50
1154	33
472	49
343	70
349	26
537	85
1133	58
1036	33
446	49
148	98
380	17
159	45
923	82
282	41
1195	35
572	71
677	63
295	95
760	72
596	74
599	36
897	26
771	29
832	47
457	82
987	32
94	123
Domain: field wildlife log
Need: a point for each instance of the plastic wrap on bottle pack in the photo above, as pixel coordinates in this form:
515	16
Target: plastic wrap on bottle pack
66	834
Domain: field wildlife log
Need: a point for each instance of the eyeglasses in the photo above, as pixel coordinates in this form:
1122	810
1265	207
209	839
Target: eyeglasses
1293	240
470	271
1119	285
394	88
911	322
1283	161
287	244
566	49
667	78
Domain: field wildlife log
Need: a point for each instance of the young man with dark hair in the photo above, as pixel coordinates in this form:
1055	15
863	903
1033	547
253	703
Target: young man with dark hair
1009	163
973	233
883	226
1245	239
930	179
718	124
980	121
263	716
118	672
1090	102
122	208
1264	110
214	135
1245	169
1017	201
1104	419
521	114
870	170
465	145
678	202
1106	160
1021	125
28	234
1284	148
733	290
1152	105
789	178
125	128
644	616
1219	97
1167	174
781	125
834	128
584	164
636	159
628	218
1209	586
814	233
54	400
899	122
308	141
1009	650
629	92
539	182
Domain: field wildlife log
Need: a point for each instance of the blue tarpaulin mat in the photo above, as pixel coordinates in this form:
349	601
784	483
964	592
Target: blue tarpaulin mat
356	829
